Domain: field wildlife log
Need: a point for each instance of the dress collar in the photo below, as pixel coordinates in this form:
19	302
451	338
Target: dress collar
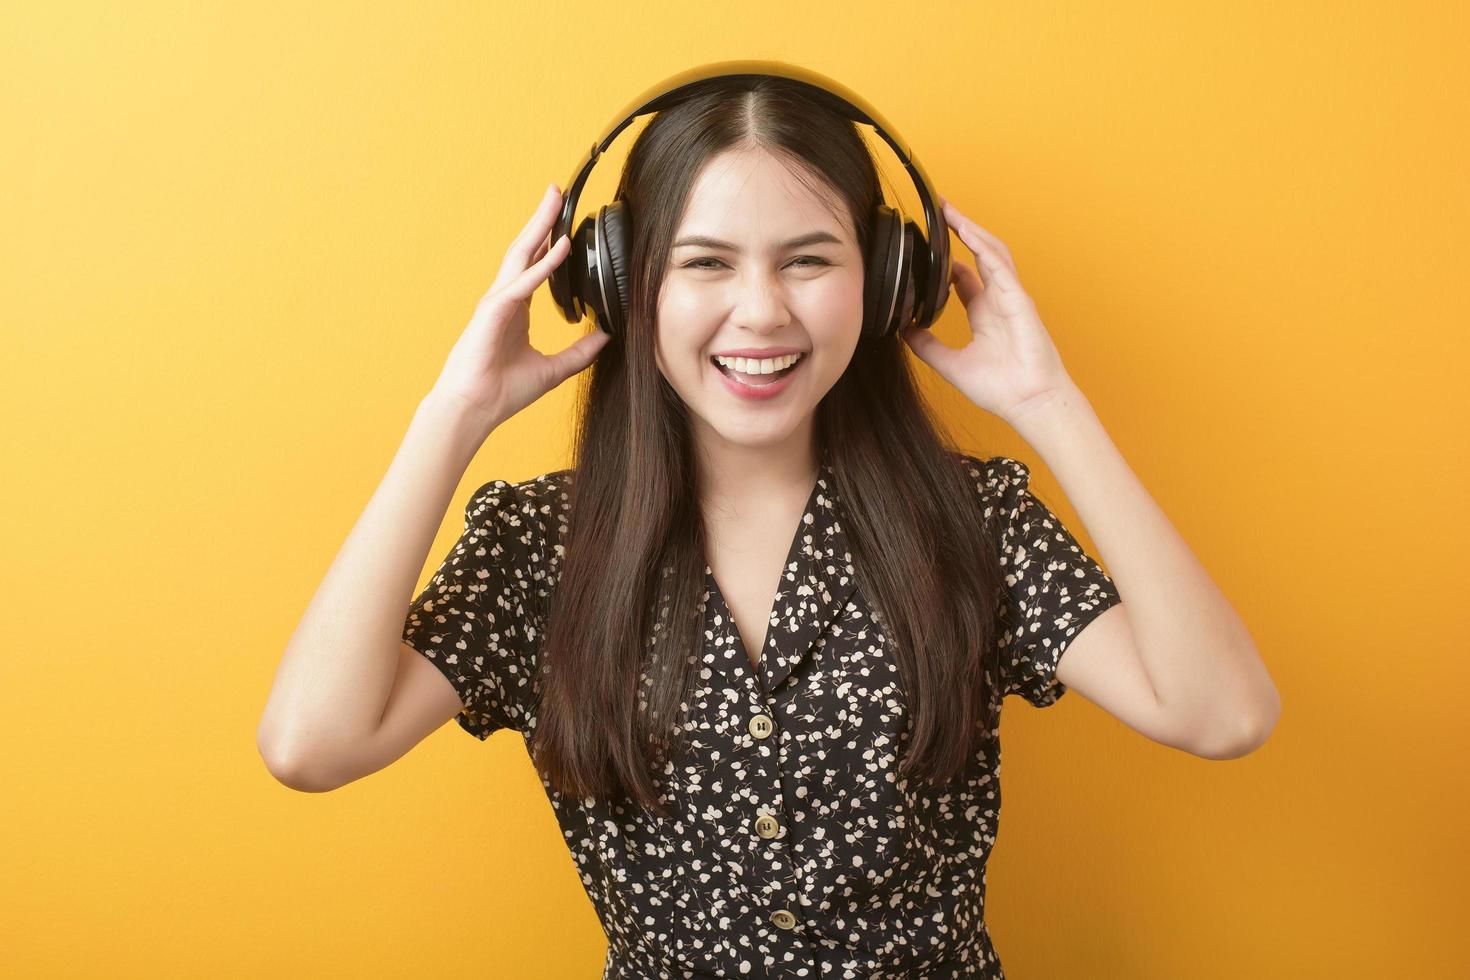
816	582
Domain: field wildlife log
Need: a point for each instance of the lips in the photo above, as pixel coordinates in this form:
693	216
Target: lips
751	378
761	387
756	380
759	352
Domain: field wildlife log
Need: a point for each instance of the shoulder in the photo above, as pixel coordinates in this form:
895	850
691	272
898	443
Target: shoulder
538	503
523	523
1002	488
537	494
996	479
993	470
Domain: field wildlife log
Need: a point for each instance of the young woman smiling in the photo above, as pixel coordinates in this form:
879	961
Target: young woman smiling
757	639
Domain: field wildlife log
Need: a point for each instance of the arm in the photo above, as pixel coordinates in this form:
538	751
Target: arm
348	689
1179	631
338	670
1172	660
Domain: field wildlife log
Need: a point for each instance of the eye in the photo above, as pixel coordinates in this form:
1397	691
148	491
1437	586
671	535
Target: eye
816	260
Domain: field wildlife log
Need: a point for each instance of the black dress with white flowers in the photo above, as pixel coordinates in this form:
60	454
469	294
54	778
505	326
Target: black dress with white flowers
794	848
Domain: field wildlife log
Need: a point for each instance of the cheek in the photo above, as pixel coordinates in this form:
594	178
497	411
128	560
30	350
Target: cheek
685	326
681	305
833	297
835	314
669	355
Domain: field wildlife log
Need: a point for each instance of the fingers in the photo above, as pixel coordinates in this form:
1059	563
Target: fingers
538	229
997	271
541	249
522	253
969	232
523	285
966	283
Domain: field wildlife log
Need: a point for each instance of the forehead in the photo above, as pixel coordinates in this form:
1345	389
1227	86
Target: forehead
754	196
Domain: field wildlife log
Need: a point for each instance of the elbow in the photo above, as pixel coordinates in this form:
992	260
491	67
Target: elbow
1250	733
290	769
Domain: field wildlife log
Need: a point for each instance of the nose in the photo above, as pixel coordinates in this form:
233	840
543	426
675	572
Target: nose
760	303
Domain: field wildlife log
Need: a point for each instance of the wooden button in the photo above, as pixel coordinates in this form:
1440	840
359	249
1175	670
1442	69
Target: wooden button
767	825
762	726
783	918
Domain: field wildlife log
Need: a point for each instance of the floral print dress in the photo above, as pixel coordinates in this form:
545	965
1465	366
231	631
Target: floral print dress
794	849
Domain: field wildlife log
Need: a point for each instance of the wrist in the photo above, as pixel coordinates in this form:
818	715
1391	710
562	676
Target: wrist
466	425
1039	417
458	410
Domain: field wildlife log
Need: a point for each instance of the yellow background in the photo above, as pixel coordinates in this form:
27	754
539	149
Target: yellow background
238	244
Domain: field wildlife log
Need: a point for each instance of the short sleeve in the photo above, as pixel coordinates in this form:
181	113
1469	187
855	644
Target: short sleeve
475	620
1053	587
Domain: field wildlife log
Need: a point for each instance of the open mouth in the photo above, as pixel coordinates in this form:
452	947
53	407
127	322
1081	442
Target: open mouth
758	380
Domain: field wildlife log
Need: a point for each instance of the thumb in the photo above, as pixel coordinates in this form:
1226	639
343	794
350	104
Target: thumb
923	343
579	355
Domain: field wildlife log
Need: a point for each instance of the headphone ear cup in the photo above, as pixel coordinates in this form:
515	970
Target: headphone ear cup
574	283
915	261
883	249
932	268
888	288
613	264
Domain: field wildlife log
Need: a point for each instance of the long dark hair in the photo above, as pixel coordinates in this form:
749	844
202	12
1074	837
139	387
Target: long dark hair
625	613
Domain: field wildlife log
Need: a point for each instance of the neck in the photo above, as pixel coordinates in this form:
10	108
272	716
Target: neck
732	475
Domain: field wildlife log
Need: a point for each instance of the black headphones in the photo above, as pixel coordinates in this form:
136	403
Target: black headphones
907	272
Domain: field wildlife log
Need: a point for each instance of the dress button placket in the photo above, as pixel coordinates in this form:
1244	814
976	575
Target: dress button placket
769	859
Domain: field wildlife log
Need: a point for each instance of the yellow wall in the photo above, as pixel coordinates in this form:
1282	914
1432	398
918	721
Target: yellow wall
238	244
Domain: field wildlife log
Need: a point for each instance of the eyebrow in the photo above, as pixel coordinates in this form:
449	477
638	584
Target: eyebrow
810	238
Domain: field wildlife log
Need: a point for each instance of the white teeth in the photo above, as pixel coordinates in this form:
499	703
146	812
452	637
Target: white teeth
749	365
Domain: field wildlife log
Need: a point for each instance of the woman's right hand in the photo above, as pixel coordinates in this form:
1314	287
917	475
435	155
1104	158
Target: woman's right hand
493	370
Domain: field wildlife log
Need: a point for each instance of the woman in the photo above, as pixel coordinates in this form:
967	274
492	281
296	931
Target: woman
757	639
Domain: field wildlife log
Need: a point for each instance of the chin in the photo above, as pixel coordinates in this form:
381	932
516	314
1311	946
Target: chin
726	426
754	436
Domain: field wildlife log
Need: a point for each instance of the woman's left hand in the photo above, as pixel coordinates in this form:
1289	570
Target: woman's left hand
1010	366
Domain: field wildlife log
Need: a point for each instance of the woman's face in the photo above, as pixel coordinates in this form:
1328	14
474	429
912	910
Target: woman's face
759	293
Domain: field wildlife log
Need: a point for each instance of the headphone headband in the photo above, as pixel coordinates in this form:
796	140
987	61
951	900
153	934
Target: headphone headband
831	93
